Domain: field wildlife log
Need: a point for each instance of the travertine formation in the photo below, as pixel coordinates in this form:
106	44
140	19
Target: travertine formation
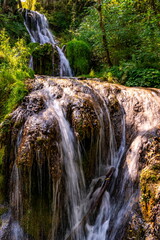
62	141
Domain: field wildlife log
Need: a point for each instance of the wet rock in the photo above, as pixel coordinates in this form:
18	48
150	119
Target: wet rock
101	117
116	113
84	120
138	107
44	58
150	188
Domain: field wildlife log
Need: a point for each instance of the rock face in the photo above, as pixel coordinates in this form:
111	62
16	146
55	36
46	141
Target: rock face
59	145
45	59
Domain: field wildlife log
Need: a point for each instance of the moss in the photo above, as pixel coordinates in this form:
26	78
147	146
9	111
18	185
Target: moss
132	233
85	121
40	140
1	155
3	210
150	179
149	175
5	128
149	182
78	53
86	127
37	220
44	56
114	105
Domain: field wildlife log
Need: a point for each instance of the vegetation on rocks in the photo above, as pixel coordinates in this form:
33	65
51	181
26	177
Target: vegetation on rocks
44	57
150	186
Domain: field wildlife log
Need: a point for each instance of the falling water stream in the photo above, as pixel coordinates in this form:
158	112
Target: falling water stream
38	29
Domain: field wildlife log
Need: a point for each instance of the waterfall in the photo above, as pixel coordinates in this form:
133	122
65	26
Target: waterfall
71	160
83	140
38	29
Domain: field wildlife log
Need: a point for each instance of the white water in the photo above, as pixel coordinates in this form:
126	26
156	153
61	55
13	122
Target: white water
71	160
16	198
107	220
38	29
98	231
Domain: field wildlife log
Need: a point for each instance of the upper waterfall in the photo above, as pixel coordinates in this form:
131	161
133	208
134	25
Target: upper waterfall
38	29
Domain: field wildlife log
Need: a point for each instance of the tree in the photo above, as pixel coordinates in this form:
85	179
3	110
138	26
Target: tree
29	4
99	7
11	5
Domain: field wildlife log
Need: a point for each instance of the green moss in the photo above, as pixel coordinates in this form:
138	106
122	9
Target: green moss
78	54
1	155
5	128
156	166
150	179
148	175
2	197
37	219
3	210
2	152
43	58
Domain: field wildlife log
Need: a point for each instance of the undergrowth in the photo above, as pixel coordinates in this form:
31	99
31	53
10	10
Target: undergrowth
13	71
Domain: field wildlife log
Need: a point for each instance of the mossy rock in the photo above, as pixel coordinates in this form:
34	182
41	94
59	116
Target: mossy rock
150	186
1	155
84	120
5	129
150	183
2	152
3	210
45	59
37	220
86	125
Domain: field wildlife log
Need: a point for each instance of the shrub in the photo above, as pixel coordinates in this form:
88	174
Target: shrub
13	71
78	53
132	75
144	78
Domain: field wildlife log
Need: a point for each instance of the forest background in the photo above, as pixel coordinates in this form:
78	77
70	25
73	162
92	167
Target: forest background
115	40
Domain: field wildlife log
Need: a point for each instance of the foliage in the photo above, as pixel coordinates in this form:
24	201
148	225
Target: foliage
14	26
43	57
130	74
147	77
64	16
29	4
13	71
78	53
133	35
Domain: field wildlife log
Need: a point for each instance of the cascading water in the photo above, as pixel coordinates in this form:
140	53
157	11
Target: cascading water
82	139
74	179
38	29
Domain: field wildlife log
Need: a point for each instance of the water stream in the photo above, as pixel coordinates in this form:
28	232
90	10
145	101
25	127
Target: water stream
38	29
66	137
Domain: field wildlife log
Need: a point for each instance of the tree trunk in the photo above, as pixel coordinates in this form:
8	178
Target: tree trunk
19	3
9	6
5	3
104	37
